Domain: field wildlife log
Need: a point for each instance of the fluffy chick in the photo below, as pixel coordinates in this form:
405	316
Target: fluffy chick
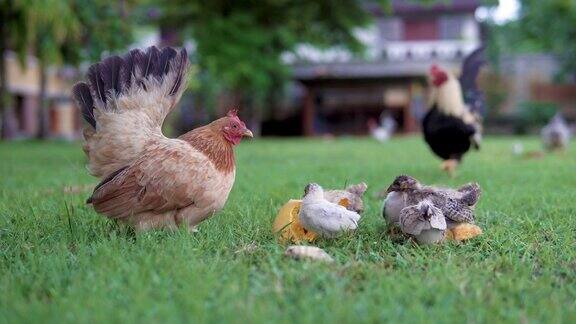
323	217
424	222
456	205
352	194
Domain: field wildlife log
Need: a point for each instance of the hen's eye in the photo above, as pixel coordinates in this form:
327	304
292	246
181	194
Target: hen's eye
234	126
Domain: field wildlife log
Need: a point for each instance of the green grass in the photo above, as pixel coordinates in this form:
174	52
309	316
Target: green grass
60	261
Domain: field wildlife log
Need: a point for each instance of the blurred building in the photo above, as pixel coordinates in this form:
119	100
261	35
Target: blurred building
24	86
337	93
529	77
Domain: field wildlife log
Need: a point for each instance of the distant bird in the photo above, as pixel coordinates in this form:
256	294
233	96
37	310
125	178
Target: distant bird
147	179
456	205
556	134
424	221
382	132
351	197
453	123
518	149
323	217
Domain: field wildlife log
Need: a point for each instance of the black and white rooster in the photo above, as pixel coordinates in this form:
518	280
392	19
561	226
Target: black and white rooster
453	125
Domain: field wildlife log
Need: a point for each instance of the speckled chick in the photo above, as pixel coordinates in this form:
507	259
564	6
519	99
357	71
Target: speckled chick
323	217
424	222
456	205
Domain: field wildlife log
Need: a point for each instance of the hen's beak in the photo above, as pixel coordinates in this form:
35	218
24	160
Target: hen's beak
247	133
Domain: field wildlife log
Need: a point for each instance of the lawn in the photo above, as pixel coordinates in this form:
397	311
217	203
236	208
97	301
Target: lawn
60	261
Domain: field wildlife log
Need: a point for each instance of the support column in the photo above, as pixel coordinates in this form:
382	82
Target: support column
409	122
29	115
308	112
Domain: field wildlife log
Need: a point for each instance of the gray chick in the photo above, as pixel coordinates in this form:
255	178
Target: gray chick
323	217
424	222
556	134
456	205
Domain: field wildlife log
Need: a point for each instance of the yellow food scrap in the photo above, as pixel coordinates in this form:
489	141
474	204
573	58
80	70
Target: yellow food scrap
287	224
344	202
463	231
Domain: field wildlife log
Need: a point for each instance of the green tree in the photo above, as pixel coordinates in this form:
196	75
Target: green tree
57	25
240	43
552	24
58	31
106	27
543	26
16	29
77	30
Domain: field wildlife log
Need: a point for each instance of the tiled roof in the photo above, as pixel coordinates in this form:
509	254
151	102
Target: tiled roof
407	7
362	70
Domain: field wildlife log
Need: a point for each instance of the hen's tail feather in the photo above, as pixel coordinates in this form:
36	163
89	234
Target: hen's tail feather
151	60
96	83
166	56
125	101
180	67
110	74
81	92
114	77
127	69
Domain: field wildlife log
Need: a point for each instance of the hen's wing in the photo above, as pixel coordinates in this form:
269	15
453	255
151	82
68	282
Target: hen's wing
169	176
125	102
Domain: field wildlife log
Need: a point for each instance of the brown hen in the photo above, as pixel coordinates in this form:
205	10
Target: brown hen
149	180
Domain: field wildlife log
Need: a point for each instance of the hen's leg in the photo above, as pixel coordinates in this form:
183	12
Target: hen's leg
191	216
147	221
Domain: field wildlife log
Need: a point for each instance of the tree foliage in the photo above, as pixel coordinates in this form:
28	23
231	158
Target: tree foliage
106	26
552	24
55	24
543	26
57	31
17	28
241	42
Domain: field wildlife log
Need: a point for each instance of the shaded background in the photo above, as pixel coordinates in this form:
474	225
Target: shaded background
293	68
